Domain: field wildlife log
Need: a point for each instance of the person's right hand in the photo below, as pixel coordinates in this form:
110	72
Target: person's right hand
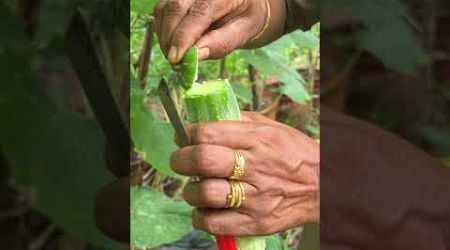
216	27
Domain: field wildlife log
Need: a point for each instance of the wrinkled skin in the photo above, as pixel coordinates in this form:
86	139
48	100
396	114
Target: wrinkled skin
216	27
281	178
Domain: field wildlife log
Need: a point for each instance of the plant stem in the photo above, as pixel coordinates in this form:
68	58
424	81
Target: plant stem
146	51
256	93
222	73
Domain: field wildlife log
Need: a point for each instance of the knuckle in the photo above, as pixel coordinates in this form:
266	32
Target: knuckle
180	37
204	159
205	133
271	135
160	6
212	225
208	191
223	45
201	8
174	7
265	133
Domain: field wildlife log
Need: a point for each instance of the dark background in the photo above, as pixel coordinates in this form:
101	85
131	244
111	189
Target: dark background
52	146
385	125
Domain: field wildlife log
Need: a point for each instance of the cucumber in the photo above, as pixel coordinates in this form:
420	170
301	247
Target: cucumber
212	100
187	72
215	100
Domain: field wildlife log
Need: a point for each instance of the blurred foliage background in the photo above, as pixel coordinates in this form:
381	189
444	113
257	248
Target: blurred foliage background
280	81
385	61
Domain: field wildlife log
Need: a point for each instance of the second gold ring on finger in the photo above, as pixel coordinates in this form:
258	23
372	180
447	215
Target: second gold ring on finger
236	195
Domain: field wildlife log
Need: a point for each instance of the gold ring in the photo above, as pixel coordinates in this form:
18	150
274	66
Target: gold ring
236	195
239	166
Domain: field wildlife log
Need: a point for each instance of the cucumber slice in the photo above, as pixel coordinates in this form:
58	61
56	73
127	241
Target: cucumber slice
212	100
188	69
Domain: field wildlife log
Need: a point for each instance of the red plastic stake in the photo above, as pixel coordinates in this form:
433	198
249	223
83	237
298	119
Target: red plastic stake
226	243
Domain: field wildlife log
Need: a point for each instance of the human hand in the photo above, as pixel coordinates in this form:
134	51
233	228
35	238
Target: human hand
216	27
281	178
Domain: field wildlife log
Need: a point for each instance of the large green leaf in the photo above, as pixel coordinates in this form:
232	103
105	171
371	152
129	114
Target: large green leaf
270	62
157	219
305	39
55	153
242	91
151	136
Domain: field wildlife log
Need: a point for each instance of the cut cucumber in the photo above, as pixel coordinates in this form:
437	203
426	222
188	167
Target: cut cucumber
212	100
188	68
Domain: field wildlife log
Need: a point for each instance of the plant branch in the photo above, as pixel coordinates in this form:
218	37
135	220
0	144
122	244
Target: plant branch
146	51
256	93
222	72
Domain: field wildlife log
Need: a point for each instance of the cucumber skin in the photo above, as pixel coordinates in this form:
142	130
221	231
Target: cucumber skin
219	106
216	106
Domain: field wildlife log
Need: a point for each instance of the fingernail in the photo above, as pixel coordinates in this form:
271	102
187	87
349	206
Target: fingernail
172	54
203	53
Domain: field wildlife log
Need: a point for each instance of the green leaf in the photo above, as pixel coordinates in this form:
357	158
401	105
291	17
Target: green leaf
156	219
274	242
314	130
57	154
143	7
436	136
272	63
305	39
243	92
151	136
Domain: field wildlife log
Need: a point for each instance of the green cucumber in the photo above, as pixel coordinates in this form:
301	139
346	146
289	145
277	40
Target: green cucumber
212	100
215	100
187	71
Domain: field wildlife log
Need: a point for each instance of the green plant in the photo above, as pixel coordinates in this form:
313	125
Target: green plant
153	135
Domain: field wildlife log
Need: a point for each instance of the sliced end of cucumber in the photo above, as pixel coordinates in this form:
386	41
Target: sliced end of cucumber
211	101
207	88
188	71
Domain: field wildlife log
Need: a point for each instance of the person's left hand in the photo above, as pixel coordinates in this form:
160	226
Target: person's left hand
281	178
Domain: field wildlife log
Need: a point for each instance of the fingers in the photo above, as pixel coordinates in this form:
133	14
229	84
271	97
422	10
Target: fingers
231	134
249	116
203	160
174	12
212	193
219	42
201	15
197	20
226	222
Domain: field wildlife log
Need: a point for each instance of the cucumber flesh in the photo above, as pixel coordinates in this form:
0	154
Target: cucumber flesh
211	101
188	69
